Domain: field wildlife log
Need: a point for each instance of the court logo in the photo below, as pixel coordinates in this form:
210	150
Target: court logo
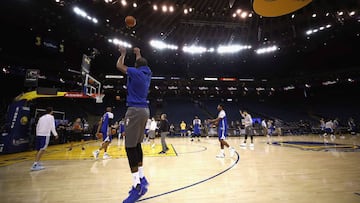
319	146
24	120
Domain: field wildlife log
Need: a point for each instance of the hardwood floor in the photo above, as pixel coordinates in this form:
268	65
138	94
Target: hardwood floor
294	169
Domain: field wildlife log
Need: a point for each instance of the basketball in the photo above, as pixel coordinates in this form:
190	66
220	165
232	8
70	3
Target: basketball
77	126
113	131
130	21
99	135
91	81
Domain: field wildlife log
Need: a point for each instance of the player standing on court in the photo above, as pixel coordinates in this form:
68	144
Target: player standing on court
138	83
44	128
222	131
197	128
104	129
248	122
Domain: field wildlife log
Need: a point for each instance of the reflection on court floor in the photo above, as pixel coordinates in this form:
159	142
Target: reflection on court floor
319	146
60	152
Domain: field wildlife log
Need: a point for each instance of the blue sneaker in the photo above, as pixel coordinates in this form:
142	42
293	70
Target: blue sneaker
135	193
143	187
144	182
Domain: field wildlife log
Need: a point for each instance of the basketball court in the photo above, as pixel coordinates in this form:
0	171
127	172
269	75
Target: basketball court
296	169
293	169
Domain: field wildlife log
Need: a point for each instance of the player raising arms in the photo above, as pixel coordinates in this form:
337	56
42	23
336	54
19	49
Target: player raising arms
137	113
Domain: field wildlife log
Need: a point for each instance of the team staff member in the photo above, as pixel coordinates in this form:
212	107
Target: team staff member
164	128
248	122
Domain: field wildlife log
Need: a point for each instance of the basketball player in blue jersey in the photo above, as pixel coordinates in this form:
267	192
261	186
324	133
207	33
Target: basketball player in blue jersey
271	130
121	129
222	131
104	128
197	128
137	113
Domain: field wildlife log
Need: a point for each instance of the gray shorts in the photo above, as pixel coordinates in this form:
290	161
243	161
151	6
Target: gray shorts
135	121
248	130
152	134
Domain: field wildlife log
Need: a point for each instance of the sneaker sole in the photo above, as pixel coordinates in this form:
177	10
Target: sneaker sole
96	157
37	169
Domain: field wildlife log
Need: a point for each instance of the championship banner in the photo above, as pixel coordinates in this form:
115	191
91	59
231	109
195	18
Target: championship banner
85	64
31	78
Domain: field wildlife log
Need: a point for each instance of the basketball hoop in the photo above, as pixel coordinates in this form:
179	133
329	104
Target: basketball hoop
99	98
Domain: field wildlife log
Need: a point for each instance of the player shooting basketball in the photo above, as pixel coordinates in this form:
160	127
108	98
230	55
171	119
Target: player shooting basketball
136	116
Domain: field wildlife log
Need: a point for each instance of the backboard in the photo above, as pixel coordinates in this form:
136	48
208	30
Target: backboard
92	88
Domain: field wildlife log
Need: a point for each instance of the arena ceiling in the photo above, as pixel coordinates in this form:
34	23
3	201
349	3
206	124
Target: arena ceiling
48	35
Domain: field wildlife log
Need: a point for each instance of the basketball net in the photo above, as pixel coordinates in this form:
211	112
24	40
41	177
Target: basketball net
99	98
93	88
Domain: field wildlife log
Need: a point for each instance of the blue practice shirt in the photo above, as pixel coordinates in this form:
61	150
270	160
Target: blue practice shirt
138	83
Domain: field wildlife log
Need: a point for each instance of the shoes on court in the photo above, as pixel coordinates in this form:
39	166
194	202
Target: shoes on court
252	145
142	189
96	154
232	151
36	167
135	194
221	155
243	145
144	182
106	156
162	152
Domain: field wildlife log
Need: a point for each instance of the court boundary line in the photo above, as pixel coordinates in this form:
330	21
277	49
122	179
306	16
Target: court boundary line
203	148
196	183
